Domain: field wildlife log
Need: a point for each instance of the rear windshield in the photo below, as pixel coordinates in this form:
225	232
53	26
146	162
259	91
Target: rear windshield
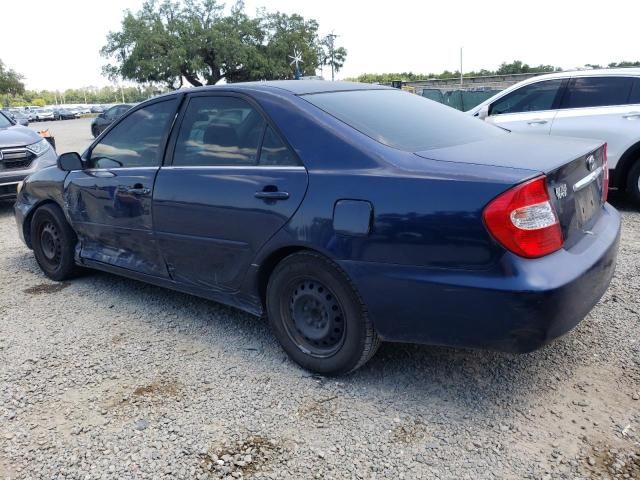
403	120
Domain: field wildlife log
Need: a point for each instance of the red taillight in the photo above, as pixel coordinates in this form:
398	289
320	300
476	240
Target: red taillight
605	174
523	220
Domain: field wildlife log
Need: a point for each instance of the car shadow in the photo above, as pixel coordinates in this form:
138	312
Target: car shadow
621	202
6	208
400	374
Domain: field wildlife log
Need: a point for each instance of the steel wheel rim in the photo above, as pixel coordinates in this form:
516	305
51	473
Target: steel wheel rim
50	243
314	319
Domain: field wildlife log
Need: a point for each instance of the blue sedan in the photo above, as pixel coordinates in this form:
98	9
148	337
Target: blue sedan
348	214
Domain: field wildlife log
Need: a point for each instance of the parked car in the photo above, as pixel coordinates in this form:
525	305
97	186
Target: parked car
17	117
348	213
63	113
30	114
102	121
22	152
599	104
43	114
97	108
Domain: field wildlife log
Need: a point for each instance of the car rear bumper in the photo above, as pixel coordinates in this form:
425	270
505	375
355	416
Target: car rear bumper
518	306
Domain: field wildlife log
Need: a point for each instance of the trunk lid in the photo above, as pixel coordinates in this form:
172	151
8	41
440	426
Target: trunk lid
574	169
576	192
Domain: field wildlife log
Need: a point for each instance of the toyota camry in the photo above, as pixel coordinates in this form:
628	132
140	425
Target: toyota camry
347	214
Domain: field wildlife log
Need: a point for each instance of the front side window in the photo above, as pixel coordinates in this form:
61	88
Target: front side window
137	140
597	92
530	98
227	131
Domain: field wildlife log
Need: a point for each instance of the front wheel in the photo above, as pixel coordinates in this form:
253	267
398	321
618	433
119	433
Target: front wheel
95	132
633	183
318	317
53	243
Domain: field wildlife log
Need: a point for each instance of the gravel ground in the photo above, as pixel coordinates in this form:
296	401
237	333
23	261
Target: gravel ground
104	377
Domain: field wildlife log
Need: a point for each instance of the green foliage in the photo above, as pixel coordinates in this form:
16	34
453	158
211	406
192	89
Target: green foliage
102	95
518	66
514	67
623	64
169	41
10	81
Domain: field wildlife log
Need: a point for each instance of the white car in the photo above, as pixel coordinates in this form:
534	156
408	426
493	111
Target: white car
43	114
597	104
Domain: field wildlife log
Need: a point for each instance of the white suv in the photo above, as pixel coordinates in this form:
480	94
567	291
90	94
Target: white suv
598	104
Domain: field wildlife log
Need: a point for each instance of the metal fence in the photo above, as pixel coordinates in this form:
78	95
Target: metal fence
460	99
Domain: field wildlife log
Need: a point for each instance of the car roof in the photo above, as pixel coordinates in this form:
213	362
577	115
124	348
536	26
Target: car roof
296	87
609	72
304	87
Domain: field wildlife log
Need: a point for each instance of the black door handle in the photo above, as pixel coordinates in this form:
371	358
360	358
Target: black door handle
272	195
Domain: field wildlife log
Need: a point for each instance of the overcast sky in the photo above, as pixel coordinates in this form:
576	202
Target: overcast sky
55	43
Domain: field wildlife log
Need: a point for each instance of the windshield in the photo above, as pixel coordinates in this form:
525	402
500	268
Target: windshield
403	120
4	121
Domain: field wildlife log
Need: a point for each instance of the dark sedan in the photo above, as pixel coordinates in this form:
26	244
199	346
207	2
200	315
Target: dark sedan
16	117
65	114
106	118
349	214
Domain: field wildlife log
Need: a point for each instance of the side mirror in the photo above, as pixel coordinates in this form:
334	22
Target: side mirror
483	113
70	161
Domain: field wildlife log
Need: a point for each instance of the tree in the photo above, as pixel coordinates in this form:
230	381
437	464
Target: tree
624	64
517	66
197	42
332	56
10	81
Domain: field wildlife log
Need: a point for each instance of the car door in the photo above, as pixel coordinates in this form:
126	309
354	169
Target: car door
109	201
603	108
529	109
231	185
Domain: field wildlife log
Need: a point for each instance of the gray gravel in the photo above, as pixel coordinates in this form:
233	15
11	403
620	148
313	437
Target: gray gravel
105	377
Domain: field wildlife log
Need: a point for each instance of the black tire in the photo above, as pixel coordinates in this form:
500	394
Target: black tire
317	315
95	132
633	183
53	243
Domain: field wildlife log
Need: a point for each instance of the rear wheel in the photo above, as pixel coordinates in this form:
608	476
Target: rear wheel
317	315
633	183
53	243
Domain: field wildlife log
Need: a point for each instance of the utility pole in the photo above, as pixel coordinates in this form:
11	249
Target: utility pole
460	65
331	37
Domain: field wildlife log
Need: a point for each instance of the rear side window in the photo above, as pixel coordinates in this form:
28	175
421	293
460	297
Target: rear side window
219	131
137	140
227	131
274	151
635	91
530	98
403	120
597	92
